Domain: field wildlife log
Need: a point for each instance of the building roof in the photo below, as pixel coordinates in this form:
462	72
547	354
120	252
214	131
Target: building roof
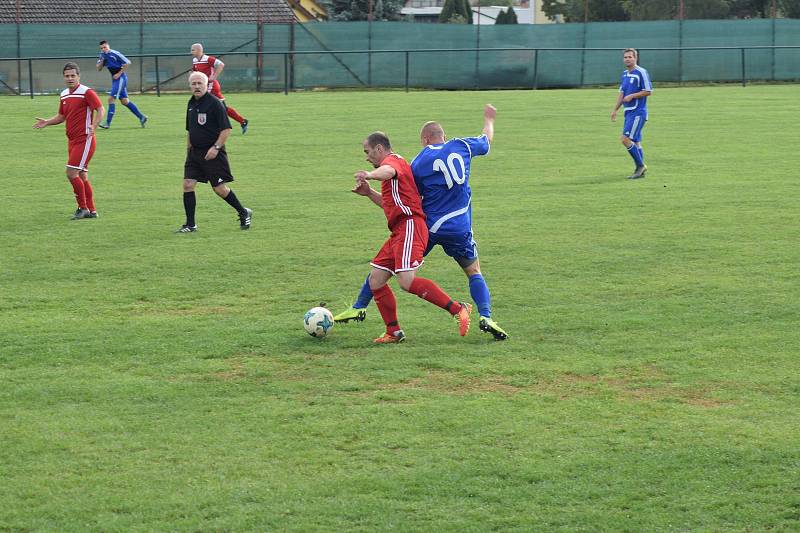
127	11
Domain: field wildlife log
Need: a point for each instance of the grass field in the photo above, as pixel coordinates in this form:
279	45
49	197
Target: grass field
162	382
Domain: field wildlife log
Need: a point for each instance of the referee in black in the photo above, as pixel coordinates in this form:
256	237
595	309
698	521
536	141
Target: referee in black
206	160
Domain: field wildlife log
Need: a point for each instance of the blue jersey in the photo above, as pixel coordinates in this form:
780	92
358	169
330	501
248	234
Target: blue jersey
441	172
113	60
632	82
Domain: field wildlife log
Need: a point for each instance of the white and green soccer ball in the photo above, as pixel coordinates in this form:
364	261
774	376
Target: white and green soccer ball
318	322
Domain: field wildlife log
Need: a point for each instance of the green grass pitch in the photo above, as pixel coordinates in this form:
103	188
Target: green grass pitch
651	382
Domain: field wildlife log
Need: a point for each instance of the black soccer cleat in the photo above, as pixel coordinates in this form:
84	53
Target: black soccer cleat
93	214
245	124
245	218
81	213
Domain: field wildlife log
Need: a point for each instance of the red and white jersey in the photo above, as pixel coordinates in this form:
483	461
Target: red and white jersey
77	107
208	65
400	198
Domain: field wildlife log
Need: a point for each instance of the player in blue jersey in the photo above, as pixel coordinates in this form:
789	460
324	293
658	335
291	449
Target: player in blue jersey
441	172
634	88
117	64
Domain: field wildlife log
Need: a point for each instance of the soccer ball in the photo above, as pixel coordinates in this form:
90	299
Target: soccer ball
318	322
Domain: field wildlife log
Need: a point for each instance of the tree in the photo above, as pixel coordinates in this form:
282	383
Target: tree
343	10
790	8
456	12
572	10
509	16
668	9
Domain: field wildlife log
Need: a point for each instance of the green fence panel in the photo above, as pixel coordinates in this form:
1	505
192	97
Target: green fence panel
566	55
787	62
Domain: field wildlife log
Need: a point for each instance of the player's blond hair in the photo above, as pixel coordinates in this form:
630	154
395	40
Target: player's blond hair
634	51
432	130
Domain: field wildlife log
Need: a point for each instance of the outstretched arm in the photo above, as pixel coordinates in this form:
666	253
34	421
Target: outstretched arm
44	122
489	114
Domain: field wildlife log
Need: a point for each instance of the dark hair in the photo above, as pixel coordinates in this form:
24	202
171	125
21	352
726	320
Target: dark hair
377	138
633	50
103	42
71	66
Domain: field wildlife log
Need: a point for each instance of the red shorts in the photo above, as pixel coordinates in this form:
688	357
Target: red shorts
216	89
80	153
404	248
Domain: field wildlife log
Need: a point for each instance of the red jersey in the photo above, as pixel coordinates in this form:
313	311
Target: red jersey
77	107
206	64
400	198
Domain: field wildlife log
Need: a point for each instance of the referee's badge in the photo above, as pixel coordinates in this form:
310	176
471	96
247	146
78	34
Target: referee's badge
201	118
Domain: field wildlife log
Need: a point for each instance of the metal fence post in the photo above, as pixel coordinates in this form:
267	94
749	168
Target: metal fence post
158	79
536	68
286	74
30	76
744	78
407	54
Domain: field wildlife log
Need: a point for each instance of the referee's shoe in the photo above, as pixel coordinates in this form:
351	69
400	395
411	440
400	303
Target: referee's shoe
245	218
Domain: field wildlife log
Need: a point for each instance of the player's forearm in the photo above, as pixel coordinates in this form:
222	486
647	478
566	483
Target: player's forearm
488	129
223	136
52	121
382	173
218	71
375	196
620	96
98	116
123	68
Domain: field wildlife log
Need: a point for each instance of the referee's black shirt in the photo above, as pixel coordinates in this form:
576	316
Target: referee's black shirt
205	118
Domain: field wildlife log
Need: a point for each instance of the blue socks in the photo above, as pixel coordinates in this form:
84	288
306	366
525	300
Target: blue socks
134	110
111	110
480	294
636	154
477	289
364	297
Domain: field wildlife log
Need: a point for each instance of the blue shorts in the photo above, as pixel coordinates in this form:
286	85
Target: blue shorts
634	122
119	87
460	247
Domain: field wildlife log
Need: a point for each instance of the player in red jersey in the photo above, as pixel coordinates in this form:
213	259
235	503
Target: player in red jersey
82	110
213	67
402	253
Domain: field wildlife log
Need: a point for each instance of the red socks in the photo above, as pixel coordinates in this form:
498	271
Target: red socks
431	292
80	194
234	115
89	193
387	305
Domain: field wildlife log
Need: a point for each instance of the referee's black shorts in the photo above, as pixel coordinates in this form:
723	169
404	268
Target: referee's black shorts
215	171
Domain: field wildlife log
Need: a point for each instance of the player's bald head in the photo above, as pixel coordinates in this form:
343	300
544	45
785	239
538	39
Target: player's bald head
197	50
431	132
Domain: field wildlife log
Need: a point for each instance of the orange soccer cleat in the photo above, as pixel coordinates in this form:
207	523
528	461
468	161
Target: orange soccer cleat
463	318
391	338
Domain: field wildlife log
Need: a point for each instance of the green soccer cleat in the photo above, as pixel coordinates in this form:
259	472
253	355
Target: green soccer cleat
351	314
490	326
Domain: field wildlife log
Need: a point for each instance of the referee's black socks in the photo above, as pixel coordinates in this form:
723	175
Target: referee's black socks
189	204
234	202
